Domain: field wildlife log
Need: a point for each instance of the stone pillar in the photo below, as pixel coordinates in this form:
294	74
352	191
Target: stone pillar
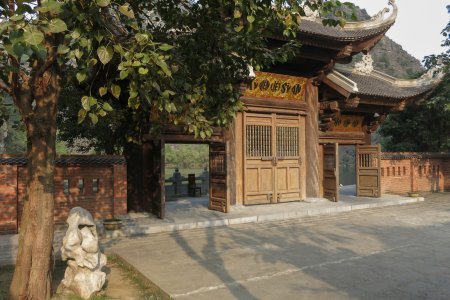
312	159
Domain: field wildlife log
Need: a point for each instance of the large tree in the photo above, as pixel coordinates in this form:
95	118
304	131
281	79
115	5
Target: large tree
174	61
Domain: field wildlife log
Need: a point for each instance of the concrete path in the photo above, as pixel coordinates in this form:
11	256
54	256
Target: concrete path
193	213
397	252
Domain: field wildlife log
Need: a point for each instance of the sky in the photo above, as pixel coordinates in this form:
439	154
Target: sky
418	26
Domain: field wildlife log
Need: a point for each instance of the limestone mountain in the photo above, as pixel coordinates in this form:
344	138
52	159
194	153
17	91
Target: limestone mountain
389	57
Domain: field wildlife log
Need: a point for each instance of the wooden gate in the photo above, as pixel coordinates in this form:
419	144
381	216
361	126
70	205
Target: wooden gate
272	158
368	171
331	172
153	178
218	194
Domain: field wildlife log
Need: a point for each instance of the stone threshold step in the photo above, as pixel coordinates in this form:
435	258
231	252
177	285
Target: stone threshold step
144	229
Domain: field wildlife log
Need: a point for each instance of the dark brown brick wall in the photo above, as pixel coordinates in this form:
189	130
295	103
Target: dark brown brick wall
109	201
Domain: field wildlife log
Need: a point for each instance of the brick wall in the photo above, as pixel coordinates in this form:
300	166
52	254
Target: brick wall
8	198
96	183
419	172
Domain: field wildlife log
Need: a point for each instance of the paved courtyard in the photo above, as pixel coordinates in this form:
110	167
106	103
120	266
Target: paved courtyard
398	252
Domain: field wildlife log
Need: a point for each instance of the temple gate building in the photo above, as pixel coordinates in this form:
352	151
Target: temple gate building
284	145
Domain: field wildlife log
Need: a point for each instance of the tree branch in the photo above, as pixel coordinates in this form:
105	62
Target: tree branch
5	87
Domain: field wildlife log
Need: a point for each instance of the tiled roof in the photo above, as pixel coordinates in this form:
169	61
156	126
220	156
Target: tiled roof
71	160
372	86
340	34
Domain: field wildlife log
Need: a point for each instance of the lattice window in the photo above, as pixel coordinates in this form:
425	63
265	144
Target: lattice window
370	161
259	140
330	162
287	141
218	164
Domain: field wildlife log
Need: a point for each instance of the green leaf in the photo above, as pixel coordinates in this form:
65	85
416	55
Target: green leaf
103	3
107	107
143	71
238	28
105	54
92	101
250	19
165	47
118	49
50	6
40	51
94	118
237	14
81	76
16	18
123	74
18	50
202	134
102	113
57	26
33	36
81	115
162	64
75	34
102	91
126	10
85	103
63	49
115	90
92	62
141	38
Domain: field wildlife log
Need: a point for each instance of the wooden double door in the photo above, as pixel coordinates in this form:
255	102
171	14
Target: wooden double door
272	158
367	167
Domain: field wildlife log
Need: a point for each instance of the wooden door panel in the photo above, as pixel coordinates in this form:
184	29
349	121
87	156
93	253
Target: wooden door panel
331	172
218	194
282	179
294	178
259	185
368	171
266	179
288	158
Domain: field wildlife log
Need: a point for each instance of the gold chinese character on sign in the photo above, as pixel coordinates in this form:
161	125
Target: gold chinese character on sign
348	123
277	86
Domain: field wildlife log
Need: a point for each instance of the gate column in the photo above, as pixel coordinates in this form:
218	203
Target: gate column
312	159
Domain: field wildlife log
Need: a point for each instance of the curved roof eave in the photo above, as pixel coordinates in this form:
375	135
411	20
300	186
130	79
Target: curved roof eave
380	85
352	31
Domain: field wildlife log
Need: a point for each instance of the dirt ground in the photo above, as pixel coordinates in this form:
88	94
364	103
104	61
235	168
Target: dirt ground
121	283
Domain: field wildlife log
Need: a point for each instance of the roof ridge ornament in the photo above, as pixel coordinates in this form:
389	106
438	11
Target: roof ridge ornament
311	15
365	66
377	20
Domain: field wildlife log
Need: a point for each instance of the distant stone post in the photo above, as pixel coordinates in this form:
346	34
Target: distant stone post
205	180
177	181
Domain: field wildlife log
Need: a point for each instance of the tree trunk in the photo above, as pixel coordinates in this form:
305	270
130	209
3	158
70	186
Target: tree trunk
32	277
